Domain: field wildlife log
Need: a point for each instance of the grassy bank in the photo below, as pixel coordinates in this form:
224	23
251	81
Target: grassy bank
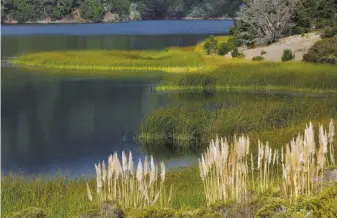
60	197
63	198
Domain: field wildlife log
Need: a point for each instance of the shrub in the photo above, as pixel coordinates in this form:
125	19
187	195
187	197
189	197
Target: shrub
153	212
233	42
223	48
328	59
252	44
211	45
330	32
288	55
232	30
324	51
237	54
273	209
31	212
258	58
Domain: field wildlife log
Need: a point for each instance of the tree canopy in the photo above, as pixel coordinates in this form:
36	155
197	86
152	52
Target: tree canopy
94	10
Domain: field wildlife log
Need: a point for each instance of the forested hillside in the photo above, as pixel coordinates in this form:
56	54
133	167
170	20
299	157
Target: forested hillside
115	10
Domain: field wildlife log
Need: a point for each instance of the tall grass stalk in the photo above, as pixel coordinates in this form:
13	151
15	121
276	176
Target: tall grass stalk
120	183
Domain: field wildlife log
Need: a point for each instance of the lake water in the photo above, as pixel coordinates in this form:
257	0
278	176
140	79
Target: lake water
51	123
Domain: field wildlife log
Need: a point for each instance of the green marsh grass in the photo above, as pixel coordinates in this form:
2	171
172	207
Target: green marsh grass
59	196
246	76
201	119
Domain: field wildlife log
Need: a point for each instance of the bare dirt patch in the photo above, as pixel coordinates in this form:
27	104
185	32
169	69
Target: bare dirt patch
298	44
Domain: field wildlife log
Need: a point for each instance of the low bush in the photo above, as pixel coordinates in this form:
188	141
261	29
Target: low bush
330	31
258	58
223	48
233	42
288	55
273	209
31	212
211	45
237	54
263	52
324	51
328	59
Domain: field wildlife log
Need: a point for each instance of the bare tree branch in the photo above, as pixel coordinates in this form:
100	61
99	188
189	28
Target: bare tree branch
267	19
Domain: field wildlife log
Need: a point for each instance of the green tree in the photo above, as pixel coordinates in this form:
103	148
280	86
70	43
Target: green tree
288	55
7	9
120	7
92	10
153	9
314	13
27	10
61	9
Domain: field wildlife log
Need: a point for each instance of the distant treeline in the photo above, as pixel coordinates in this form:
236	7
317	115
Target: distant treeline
98	10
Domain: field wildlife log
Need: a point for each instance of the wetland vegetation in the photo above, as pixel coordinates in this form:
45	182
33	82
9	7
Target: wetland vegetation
201	112
244	119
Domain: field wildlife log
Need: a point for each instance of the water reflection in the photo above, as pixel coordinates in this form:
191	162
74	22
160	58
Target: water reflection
61	124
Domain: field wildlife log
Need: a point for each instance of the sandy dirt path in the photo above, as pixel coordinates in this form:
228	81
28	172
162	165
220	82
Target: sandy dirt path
298	44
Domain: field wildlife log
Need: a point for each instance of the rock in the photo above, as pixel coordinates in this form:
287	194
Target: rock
107	210
110	17
330	175
307	215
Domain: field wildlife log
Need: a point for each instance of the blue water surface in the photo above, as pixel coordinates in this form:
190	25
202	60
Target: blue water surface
158	27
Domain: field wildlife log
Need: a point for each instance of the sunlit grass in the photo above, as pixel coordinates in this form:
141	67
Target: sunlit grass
171	60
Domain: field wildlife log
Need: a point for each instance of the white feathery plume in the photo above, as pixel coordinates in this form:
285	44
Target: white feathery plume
98	177
110	167
124	162
202	173
146	166
117	166
130	164
331	131
104	172
139	173
153	171
162	171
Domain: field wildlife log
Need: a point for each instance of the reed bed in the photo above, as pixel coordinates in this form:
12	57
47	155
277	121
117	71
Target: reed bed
192	122
230	172
128	187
